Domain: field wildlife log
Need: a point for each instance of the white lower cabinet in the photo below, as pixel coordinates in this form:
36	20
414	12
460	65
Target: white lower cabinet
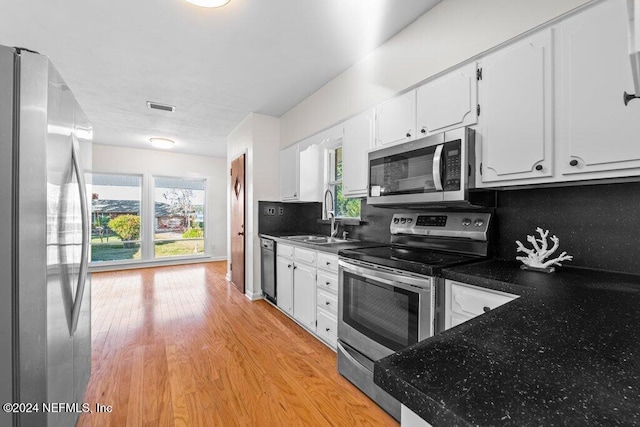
304	295
284	281
307	288
464	302
408	418
328	328
327	297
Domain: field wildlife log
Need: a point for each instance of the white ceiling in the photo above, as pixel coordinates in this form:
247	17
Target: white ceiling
215	65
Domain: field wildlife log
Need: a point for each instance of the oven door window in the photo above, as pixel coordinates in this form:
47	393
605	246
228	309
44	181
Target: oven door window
405	173
386	314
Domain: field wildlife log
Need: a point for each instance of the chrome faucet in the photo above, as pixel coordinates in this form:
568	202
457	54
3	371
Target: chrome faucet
330	214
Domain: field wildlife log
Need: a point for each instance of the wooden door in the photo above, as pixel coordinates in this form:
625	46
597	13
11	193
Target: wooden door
237	222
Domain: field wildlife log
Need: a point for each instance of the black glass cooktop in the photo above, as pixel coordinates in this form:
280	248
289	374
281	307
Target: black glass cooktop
420	261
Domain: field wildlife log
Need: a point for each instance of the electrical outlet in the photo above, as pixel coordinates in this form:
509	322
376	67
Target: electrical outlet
270	211
281	211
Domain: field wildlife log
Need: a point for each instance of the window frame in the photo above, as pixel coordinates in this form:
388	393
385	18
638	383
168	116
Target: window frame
141	240
152	207
147	221
332	182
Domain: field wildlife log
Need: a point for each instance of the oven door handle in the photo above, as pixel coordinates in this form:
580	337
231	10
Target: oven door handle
404	282
437	159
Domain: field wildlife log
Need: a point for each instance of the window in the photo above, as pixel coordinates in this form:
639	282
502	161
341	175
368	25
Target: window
344	208
115	217
179	228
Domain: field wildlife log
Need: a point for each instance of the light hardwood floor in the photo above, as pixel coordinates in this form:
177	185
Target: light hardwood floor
179	346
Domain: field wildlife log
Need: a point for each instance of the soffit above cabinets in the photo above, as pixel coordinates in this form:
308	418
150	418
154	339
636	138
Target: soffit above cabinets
214	65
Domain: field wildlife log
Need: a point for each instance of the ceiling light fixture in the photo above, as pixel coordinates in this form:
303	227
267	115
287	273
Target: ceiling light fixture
209	3
163	143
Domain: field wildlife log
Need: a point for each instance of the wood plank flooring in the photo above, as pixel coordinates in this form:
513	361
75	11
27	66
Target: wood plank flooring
179	346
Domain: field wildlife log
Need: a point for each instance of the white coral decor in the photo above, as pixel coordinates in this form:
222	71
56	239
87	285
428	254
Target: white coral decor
536	257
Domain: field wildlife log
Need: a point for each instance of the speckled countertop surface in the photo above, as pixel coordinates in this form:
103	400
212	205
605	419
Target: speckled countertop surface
567	352
333	248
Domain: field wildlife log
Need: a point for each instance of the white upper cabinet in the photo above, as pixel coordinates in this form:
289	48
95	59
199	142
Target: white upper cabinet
301	171
396	120
448	102
516	111
289	173
597	131
310	175
357	140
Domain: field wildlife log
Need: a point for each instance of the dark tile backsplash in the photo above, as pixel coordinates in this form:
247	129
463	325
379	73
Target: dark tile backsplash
296	218
598	224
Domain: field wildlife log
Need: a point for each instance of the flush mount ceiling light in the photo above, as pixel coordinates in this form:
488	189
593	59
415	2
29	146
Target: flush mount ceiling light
163	143
209	3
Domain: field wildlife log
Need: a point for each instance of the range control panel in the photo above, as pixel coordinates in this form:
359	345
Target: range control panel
471	225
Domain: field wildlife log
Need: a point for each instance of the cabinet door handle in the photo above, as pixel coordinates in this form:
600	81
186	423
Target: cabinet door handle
327	329
289	266
294	267
408	135
328	263
327	303
538	167
423	130
573	162
486	309
328	283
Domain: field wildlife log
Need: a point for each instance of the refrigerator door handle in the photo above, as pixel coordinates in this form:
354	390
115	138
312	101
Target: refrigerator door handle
84	212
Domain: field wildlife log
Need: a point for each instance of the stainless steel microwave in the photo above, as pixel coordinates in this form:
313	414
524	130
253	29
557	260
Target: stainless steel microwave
435	169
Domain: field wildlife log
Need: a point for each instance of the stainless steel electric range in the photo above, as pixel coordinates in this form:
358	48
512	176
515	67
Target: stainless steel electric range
390	296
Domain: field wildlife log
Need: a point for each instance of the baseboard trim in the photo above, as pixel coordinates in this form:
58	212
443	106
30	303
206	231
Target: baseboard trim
253	296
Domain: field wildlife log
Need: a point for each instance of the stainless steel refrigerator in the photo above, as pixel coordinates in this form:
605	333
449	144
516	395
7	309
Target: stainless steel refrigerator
45	292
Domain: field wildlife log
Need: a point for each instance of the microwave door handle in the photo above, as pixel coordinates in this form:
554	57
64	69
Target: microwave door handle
437	159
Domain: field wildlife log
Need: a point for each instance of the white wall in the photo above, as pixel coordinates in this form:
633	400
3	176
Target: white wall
111	159
258	136
450	33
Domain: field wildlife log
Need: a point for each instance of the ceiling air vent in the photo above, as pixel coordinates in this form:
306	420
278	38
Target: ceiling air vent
158	106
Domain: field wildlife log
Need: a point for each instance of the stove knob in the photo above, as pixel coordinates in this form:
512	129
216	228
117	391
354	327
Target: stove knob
478	222
466	222
396	220
403	220
409	220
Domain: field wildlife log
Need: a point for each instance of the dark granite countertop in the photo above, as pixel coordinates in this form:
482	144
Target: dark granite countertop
567	352
333	248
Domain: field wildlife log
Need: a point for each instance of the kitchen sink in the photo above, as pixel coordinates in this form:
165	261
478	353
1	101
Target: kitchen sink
319	240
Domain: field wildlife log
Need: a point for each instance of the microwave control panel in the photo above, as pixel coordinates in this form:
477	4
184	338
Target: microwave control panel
452	166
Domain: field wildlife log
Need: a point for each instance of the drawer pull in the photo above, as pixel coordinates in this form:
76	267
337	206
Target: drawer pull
486	309
328	283
328	263
327	303
327	329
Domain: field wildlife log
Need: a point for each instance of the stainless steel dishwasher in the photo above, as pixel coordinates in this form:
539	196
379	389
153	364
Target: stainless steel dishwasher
268	270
